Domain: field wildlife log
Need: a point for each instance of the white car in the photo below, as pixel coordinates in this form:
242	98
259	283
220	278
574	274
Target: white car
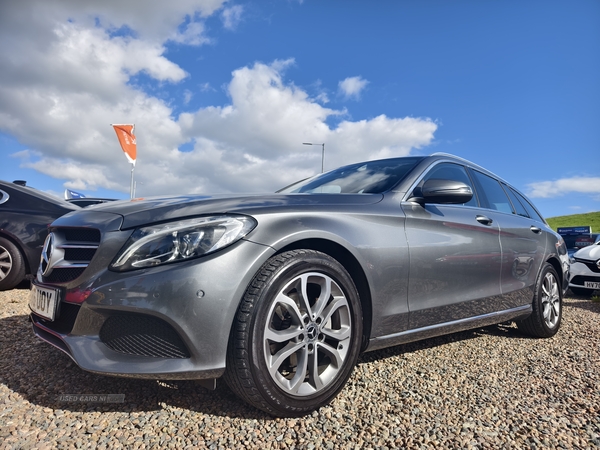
585	270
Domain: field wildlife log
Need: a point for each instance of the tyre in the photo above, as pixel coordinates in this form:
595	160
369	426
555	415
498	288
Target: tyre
12	265
582	292
545	319
296	336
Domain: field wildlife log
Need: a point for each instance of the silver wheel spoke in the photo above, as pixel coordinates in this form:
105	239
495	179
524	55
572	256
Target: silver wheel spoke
340	335
276	360
333	353
334	306
290	306
283	335
301	369
315	379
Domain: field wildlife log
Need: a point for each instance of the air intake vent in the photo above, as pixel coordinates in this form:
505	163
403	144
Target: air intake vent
141	335
67	252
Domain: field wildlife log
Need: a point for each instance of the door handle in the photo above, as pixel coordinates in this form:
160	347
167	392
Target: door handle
484	220
535	229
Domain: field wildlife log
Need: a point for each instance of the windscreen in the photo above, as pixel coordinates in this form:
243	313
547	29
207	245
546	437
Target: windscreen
372	177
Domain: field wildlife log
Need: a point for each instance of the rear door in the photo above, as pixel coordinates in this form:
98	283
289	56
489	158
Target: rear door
522	239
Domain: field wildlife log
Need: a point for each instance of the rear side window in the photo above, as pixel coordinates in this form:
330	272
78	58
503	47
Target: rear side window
492	195
530	209
521	211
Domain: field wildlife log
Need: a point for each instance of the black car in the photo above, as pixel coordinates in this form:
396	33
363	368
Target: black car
25	214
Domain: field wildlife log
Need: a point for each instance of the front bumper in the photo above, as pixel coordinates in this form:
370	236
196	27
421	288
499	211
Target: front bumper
582	272
167	322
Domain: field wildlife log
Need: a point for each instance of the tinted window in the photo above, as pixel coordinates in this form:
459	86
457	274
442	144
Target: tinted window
493	196
454	172
516	202
530	209
365	178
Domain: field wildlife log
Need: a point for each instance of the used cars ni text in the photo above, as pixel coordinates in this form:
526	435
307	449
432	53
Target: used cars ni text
279	293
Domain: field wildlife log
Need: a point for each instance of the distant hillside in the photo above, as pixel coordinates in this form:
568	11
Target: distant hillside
574	220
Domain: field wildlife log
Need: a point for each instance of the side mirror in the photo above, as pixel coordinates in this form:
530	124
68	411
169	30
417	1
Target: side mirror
444	191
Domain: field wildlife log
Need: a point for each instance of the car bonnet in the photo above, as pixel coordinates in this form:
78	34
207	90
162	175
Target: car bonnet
138	212
591	252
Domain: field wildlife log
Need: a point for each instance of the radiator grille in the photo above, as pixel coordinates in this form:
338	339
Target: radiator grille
67	253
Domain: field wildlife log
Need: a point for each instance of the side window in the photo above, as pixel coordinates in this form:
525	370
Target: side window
493	196
530	209
455	172
521	211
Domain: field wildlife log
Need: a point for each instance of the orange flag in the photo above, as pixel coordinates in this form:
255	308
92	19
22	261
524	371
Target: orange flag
127	141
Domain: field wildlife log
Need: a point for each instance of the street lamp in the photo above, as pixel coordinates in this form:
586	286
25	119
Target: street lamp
322	153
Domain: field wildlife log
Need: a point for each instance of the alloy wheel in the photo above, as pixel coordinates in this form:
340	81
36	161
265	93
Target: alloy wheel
550	300
5	263
307	334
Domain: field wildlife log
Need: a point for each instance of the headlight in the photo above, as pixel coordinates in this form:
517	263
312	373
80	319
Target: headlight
182	240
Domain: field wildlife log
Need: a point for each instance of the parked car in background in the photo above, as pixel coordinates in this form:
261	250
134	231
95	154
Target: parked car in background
279	293
585	270
25	214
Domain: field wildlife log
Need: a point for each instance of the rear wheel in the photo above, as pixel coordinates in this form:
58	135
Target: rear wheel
12	265
297	334
545	319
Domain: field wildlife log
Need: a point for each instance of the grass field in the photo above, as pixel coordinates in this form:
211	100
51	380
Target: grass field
576	220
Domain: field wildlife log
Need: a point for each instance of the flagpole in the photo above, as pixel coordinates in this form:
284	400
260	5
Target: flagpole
131	187
126	136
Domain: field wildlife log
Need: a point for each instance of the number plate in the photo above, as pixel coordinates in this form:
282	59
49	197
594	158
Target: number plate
44	301
592	284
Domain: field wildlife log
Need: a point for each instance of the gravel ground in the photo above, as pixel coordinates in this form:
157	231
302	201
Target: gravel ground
487	388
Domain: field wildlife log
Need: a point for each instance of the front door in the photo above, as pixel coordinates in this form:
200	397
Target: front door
455	257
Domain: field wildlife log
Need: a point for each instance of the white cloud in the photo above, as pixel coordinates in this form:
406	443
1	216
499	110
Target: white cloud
187	96
352	87
232	16
549	189
65	79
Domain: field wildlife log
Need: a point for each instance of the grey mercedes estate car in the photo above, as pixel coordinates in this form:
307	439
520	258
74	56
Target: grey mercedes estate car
279	293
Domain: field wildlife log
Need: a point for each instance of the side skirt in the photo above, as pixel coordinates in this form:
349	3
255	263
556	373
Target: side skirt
455	326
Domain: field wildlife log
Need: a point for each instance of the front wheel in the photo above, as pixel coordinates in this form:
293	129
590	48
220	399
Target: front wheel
545	319
12	265
297	334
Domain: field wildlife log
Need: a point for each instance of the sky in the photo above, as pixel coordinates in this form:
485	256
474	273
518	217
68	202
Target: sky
223	94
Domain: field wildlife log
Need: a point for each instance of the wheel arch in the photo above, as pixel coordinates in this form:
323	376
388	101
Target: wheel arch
351	264
555	263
